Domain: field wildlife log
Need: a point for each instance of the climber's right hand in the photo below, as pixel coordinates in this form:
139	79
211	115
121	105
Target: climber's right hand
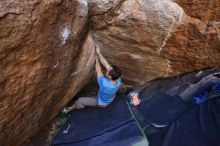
97	50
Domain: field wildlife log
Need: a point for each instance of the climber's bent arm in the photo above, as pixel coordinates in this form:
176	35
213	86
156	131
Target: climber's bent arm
98	68
103	60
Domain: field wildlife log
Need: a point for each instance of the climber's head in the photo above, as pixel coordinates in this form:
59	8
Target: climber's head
114	73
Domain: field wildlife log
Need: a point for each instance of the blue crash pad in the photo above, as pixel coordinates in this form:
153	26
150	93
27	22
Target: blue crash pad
166	120
109	126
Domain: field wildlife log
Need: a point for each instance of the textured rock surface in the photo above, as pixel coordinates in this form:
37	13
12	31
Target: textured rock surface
195	43
42	62
150	39
206	10
47	56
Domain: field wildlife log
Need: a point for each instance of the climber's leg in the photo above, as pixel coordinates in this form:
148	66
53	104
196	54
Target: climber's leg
85	101
81	103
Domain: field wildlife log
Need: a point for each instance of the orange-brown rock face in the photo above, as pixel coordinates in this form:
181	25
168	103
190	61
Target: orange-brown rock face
149	39
206	10
47	50
195	44
46	57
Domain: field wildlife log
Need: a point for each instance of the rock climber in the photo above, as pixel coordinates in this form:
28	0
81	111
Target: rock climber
108	86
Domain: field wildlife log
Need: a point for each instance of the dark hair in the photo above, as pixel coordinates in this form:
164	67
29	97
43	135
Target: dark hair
115	73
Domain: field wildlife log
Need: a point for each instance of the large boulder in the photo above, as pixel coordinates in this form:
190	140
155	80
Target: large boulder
46	57
208	10
47	50
151	39
195	43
